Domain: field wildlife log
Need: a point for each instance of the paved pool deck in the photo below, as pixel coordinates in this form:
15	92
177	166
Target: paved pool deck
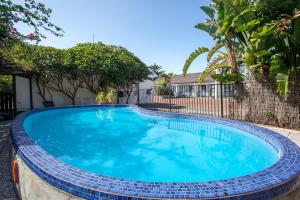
7	190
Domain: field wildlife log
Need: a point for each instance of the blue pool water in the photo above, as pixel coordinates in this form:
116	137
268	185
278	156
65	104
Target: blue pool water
120	142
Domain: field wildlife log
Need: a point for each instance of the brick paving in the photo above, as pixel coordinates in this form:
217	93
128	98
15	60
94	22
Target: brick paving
7	189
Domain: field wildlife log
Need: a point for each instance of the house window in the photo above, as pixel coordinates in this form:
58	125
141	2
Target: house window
203	90
212	90
180	90
190	88
227	90
149	91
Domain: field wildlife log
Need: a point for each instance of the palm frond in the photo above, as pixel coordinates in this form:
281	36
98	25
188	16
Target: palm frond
209	11
216	60
210	28
214	50
210	69
192	57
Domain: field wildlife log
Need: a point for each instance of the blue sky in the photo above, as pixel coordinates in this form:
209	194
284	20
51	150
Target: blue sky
157	31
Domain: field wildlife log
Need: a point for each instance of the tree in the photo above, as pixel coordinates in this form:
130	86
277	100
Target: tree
55	68
265	35
220	27
40	59
156	69
164	81
105	66
30	13
93	66
269	31
94	61
128	71
66	77
5	83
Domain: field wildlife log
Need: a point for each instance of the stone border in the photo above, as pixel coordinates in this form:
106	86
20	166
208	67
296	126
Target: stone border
273	181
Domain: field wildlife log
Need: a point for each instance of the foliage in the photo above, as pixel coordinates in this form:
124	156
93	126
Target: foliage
30	13
56	73
220	27
192	57
5	83
66	79
156	69
166	76
104	66
111	96
101	97
96	62
264	35
93	66
164	90
271	43
46	61
128	70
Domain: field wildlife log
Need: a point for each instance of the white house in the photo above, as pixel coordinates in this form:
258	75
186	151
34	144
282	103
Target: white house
189	86
139	94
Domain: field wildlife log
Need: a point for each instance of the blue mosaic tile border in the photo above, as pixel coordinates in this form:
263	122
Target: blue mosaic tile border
281	177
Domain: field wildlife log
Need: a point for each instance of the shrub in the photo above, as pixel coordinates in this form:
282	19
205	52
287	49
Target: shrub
101	97
111	96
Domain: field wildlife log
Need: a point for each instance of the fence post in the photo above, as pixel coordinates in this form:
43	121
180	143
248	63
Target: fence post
118	96
169	91
138	96
15	95
222	105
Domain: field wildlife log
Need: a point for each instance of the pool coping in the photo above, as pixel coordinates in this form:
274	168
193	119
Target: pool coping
281	177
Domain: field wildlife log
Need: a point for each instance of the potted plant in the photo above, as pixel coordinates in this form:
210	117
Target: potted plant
111	97
101	97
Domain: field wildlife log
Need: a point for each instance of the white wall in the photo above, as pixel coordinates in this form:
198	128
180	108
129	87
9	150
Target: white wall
143	87
83	96
132	98
23	96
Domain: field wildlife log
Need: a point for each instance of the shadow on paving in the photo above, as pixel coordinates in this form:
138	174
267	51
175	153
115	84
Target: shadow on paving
7	189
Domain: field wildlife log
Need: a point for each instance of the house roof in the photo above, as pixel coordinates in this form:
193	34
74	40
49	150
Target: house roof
187	79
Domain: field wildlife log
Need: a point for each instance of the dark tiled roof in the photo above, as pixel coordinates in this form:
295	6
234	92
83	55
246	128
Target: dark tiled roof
187	79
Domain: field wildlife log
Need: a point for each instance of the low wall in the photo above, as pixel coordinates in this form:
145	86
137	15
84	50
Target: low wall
32	187
83	96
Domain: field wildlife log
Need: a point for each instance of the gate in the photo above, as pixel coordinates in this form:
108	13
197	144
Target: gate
7	105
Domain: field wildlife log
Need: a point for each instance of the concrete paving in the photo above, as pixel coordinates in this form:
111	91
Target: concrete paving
293	135
7	189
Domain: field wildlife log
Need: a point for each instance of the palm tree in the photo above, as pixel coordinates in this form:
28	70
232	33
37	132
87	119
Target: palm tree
220	27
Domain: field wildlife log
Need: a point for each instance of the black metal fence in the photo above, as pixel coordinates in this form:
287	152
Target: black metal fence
209	99
7	104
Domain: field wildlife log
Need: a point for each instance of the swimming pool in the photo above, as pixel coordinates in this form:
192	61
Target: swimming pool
126	151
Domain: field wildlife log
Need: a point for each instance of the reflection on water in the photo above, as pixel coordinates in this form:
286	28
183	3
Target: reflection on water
119	142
